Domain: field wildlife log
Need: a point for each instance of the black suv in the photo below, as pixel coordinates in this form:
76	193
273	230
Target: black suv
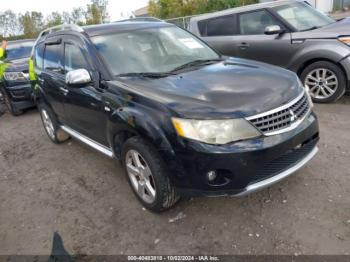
183	120
15	87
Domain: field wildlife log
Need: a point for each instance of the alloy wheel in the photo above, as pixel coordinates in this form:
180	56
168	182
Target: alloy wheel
322	83
140	176
48	123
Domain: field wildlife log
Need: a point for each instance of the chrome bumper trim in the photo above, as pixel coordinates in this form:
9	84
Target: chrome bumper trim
101	148
272	180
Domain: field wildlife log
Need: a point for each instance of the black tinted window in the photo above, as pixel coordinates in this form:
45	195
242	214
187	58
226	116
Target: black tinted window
38	57
74	58
52	58
221	26
254	23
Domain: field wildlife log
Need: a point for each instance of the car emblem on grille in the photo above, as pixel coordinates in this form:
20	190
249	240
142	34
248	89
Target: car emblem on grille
293	117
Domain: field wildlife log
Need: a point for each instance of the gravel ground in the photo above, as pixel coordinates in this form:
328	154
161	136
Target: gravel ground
85	197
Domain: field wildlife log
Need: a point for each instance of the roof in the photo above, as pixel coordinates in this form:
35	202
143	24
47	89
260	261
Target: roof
141	11
102	29
243	9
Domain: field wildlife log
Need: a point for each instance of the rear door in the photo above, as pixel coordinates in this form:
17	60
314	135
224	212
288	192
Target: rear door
253	43
83	105
52	78
220	33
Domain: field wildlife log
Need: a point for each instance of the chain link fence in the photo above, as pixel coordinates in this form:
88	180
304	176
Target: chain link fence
341	4
182	22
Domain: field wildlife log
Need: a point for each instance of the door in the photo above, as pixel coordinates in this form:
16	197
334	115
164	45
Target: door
84	105
220	33
253	43
52	78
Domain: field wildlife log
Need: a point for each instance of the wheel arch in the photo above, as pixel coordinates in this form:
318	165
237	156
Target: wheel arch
129	122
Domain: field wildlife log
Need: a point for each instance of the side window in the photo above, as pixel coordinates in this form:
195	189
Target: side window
221	26
38	57
52	58
254	23
74	58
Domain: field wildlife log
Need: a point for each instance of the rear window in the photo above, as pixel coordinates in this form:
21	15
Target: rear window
19	50
221	26
52	58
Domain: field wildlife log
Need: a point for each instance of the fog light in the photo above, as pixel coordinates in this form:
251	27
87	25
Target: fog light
211	175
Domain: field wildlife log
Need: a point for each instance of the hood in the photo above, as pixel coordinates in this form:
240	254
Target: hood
19	65
230	89
334	30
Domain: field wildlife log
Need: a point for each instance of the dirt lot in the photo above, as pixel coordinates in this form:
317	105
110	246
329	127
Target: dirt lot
85	197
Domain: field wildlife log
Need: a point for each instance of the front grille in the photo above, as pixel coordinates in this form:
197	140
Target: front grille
285	161
283	118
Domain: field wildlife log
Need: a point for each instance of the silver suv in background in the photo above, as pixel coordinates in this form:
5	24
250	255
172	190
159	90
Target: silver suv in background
290	34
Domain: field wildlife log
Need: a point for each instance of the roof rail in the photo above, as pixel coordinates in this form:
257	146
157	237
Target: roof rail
62	27
140	19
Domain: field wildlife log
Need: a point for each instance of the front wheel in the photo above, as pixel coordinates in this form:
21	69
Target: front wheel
9	105
51	126
326	81
147	175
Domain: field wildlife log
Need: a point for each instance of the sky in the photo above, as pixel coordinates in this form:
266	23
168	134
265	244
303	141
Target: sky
115	7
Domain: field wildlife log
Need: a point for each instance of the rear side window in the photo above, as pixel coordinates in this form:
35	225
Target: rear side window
74	58
52	58
221	26
38	57
254	23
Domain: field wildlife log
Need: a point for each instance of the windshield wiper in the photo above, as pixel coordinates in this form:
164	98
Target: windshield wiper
196	63
146	74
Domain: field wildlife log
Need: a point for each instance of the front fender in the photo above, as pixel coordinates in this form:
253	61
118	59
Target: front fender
146	123
328	49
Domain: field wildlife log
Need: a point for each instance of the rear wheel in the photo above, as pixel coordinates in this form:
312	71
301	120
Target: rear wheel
326	81
51	126
147	175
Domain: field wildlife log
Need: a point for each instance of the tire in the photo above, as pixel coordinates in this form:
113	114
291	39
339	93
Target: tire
51	125
326	81
9	105
151	172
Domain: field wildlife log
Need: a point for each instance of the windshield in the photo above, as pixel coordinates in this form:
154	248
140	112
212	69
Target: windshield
302	16
19	50
151	50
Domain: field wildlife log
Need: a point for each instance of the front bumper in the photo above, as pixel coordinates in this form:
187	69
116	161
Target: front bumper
245	166
20	94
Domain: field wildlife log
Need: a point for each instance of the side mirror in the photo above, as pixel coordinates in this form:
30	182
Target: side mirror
78	77
273	30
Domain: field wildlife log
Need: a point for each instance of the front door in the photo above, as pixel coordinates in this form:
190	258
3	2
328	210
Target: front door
253	43
52	78
84	104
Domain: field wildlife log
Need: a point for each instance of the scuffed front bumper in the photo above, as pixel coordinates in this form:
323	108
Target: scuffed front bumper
245	166
20	94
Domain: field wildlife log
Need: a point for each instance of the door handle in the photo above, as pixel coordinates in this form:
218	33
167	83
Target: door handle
244	45
64	91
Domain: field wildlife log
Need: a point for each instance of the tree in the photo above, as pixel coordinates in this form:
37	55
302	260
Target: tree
78	16
97	12
55	18
32	23
9	25
177	8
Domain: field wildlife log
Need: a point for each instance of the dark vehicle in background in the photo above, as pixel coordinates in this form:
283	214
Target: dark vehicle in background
290	34
183	120
15	87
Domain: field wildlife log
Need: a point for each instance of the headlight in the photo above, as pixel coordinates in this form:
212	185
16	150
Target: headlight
345	40
15	76
215	131
307	91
